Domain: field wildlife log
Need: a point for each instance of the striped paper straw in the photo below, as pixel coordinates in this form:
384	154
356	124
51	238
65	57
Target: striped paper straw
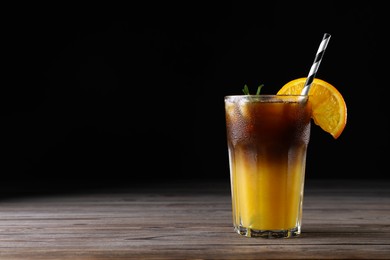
316	64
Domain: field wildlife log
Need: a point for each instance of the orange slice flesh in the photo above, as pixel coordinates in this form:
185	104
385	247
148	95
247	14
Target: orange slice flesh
329	110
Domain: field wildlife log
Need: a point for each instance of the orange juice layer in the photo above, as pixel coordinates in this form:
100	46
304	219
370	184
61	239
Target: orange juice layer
267	194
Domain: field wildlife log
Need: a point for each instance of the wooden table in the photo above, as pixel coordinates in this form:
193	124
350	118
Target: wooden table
190	220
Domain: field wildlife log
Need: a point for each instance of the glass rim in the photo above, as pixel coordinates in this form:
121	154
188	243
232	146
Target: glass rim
267	98
267	95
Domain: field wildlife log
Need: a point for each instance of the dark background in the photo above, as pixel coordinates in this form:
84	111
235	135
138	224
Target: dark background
115	95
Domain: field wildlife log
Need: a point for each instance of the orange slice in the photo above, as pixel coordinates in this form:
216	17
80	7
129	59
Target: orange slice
329	110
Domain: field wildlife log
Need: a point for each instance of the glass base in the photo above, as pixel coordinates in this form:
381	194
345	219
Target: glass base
249	232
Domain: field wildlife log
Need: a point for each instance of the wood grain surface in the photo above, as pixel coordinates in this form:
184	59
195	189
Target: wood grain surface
190	220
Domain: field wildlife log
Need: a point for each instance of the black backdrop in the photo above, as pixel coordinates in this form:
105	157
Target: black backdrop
121	94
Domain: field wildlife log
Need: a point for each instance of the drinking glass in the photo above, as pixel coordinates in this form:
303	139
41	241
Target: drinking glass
267	137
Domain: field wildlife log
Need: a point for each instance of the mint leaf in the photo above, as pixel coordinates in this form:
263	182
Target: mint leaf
259	89
246	89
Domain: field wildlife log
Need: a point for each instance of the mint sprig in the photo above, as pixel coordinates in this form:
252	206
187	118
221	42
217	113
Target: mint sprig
246	89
